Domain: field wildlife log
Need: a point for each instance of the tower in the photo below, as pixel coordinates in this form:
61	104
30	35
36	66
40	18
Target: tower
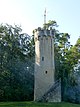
44	61
45	86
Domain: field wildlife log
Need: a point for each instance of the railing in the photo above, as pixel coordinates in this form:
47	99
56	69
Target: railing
50	91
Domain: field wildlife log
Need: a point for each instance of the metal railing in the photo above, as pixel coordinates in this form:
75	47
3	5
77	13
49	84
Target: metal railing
48	94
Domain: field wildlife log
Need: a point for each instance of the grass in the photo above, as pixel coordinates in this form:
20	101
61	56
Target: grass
35	104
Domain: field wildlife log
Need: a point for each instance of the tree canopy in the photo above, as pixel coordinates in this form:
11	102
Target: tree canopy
16	64
17	61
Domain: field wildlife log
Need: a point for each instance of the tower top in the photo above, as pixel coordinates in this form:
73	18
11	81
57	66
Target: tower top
41	32
45	16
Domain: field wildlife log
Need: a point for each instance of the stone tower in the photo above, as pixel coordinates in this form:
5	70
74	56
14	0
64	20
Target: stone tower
44	62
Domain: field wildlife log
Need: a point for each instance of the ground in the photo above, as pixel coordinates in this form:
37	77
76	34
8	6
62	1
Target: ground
35	104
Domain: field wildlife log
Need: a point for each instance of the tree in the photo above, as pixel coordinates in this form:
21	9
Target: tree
49	24
16	54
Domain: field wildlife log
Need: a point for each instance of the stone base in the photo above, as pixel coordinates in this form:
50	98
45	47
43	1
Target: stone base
53	95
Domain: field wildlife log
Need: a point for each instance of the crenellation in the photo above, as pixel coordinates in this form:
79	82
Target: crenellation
44	32
44	62
39	29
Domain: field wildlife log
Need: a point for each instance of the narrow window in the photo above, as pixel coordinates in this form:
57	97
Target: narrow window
42	58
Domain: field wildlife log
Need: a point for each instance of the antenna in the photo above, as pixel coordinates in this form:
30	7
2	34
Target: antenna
45	16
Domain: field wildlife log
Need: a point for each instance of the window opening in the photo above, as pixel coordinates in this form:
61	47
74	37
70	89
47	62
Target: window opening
46	72
42	58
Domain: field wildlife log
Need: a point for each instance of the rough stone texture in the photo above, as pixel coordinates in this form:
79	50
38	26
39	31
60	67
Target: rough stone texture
44	62
53	94
44	69
56	95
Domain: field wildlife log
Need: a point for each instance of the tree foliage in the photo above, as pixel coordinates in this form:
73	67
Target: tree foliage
17	61
16	54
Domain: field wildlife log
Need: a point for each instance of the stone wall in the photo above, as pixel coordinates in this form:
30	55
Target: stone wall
53	94
44	62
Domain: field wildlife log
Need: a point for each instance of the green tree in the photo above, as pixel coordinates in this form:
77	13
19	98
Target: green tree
16	54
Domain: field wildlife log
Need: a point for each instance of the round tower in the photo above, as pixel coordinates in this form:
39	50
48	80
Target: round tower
44	61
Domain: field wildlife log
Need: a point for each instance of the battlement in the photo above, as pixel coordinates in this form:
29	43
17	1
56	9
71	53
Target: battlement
44	61
44	32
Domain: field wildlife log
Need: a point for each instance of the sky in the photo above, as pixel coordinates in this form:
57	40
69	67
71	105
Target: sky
30	15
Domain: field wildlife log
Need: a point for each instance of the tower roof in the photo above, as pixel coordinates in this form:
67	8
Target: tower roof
44	32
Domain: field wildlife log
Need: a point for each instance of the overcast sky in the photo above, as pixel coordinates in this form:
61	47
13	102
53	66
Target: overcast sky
29	14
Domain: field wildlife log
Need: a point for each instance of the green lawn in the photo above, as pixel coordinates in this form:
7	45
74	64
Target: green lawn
34	104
